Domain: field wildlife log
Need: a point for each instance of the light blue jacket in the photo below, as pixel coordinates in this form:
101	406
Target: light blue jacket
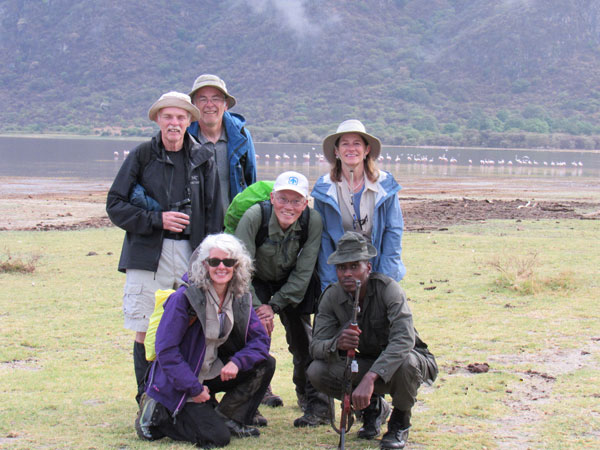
386	237
240	152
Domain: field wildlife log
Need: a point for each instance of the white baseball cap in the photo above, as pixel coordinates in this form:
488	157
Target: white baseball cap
292	181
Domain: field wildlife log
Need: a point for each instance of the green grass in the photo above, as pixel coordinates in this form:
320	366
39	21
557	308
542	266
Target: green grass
66	375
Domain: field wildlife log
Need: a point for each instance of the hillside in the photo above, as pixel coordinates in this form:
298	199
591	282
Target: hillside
445	72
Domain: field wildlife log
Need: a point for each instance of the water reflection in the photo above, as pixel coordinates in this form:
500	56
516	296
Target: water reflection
100	159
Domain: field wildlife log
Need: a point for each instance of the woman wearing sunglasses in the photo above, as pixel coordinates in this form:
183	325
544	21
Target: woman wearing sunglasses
356	196
209	340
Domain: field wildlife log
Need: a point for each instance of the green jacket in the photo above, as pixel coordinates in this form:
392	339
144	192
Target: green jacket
385	320
277	258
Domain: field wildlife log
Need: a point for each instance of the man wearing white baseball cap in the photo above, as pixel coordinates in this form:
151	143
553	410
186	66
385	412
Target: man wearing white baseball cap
283	235
166	197
223	133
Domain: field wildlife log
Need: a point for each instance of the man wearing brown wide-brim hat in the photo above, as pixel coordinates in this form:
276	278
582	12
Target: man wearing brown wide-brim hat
391	357
166	197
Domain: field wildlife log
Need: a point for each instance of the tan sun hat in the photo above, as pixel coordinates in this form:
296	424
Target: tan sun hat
214	81
350	126
176	100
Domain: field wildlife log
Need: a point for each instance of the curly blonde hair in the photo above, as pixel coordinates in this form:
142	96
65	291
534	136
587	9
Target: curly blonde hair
242	272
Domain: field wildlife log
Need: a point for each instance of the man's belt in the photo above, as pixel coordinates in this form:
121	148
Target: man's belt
176	236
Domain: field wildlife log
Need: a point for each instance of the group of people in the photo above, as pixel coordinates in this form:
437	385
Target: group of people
284	258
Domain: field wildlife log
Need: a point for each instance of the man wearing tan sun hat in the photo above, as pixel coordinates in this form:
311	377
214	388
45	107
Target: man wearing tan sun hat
166	197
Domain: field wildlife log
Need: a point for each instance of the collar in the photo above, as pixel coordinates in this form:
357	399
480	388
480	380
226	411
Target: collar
203	140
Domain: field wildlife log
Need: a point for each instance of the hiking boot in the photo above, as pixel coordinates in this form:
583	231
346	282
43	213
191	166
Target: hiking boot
394	439
241	431
271	399
397	434
143	419
373	416
309	419
259	420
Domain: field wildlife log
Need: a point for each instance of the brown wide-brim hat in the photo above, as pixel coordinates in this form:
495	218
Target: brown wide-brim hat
175	100
350	126
351	247
213	81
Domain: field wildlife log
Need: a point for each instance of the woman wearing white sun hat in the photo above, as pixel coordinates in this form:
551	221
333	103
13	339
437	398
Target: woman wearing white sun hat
356	196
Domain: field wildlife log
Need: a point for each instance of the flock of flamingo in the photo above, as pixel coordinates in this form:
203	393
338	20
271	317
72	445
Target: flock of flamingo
410	158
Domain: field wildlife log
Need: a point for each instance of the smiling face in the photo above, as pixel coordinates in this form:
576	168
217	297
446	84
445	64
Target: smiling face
351	149
173	122
288	206
219	275
212	105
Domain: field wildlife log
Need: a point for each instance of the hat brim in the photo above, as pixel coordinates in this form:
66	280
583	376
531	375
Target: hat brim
338	257
230	99
290	188
329	145
173	102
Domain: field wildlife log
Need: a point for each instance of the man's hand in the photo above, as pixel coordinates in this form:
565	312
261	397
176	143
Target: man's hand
266	316
175	221
348	339
361	396
229	371
202	396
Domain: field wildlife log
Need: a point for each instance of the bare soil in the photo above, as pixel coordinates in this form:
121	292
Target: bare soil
427	205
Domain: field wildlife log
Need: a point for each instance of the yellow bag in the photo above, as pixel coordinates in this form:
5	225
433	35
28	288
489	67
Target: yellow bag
149	342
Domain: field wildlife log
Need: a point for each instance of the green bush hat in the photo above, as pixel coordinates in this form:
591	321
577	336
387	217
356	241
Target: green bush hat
174	99
214	81
351	247
350	126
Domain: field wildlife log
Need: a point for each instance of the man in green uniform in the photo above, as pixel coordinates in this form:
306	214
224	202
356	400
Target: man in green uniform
284	267
391	357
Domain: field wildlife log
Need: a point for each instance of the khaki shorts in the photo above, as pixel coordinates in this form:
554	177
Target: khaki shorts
140	285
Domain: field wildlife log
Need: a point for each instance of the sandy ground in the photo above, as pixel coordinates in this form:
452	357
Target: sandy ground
427	204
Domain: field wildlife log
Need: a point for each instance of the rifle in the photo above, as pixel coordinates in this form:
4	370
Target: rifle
347	418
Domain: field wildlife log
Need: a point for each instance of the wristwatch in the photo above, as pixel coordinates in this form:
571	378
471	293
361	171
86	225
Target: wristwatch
275	309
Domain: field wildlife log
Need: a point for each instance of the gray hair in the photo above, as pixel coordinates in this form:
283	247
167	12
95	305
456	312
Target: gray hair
242	273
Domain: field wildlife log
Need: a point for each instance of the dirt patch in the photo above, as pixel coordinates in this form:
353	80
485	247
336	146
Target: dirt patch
46	204
428	215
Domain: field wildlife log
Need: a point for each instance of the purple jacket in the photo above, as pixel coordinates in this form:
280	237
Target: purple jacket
180	347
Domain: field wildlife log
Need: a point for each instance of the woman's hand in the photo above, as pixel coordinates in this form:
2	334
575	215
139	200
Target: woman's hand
229	371
202	396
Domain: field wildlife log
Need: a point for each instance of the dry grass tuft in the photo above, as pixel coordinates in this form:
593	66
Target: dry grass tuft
12	264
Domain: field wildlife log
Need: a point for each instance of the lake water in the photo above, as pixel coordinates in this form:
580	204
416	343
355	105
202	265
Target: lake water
100	159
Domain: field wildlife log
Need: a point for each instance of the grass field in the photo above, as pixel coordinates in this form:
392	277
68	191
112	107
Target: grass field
519	296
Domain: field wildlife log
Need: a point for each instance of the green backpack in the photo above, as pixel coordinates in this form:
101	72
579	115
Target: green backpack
257	192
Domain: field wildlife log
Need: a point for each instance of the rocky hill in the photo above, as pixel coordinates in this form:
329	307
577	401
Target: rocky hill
441	72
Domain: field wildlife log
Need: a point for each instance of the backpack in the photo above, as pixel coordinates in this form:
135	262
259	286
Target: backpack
259	192
160	297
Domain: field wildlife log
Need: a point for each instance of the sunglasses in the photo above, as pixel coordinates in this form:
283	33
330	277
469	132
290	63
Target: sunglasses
227	262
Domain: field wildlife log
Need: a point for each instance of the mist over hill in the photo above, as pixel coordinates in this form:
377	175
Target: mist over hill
442	72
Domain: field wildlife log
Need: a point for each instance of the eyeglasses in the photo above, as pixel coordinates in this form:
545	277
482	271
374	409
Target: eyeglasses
214	100
284	201
227	262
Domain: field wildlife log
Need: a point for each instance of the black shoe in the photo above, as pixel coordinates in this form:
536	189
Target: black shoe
238	430
271	399
143	420
373	416
394	439
309	419
302	401
259	420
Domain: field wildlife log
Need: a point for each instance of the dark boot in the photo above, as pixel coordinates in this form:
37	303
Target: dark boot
373	416
140	366
271	399
397	434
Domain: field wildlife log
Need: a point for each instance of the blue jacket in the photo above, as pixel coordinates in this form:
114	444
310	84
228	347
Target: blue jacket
386	237
180	347
240	152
